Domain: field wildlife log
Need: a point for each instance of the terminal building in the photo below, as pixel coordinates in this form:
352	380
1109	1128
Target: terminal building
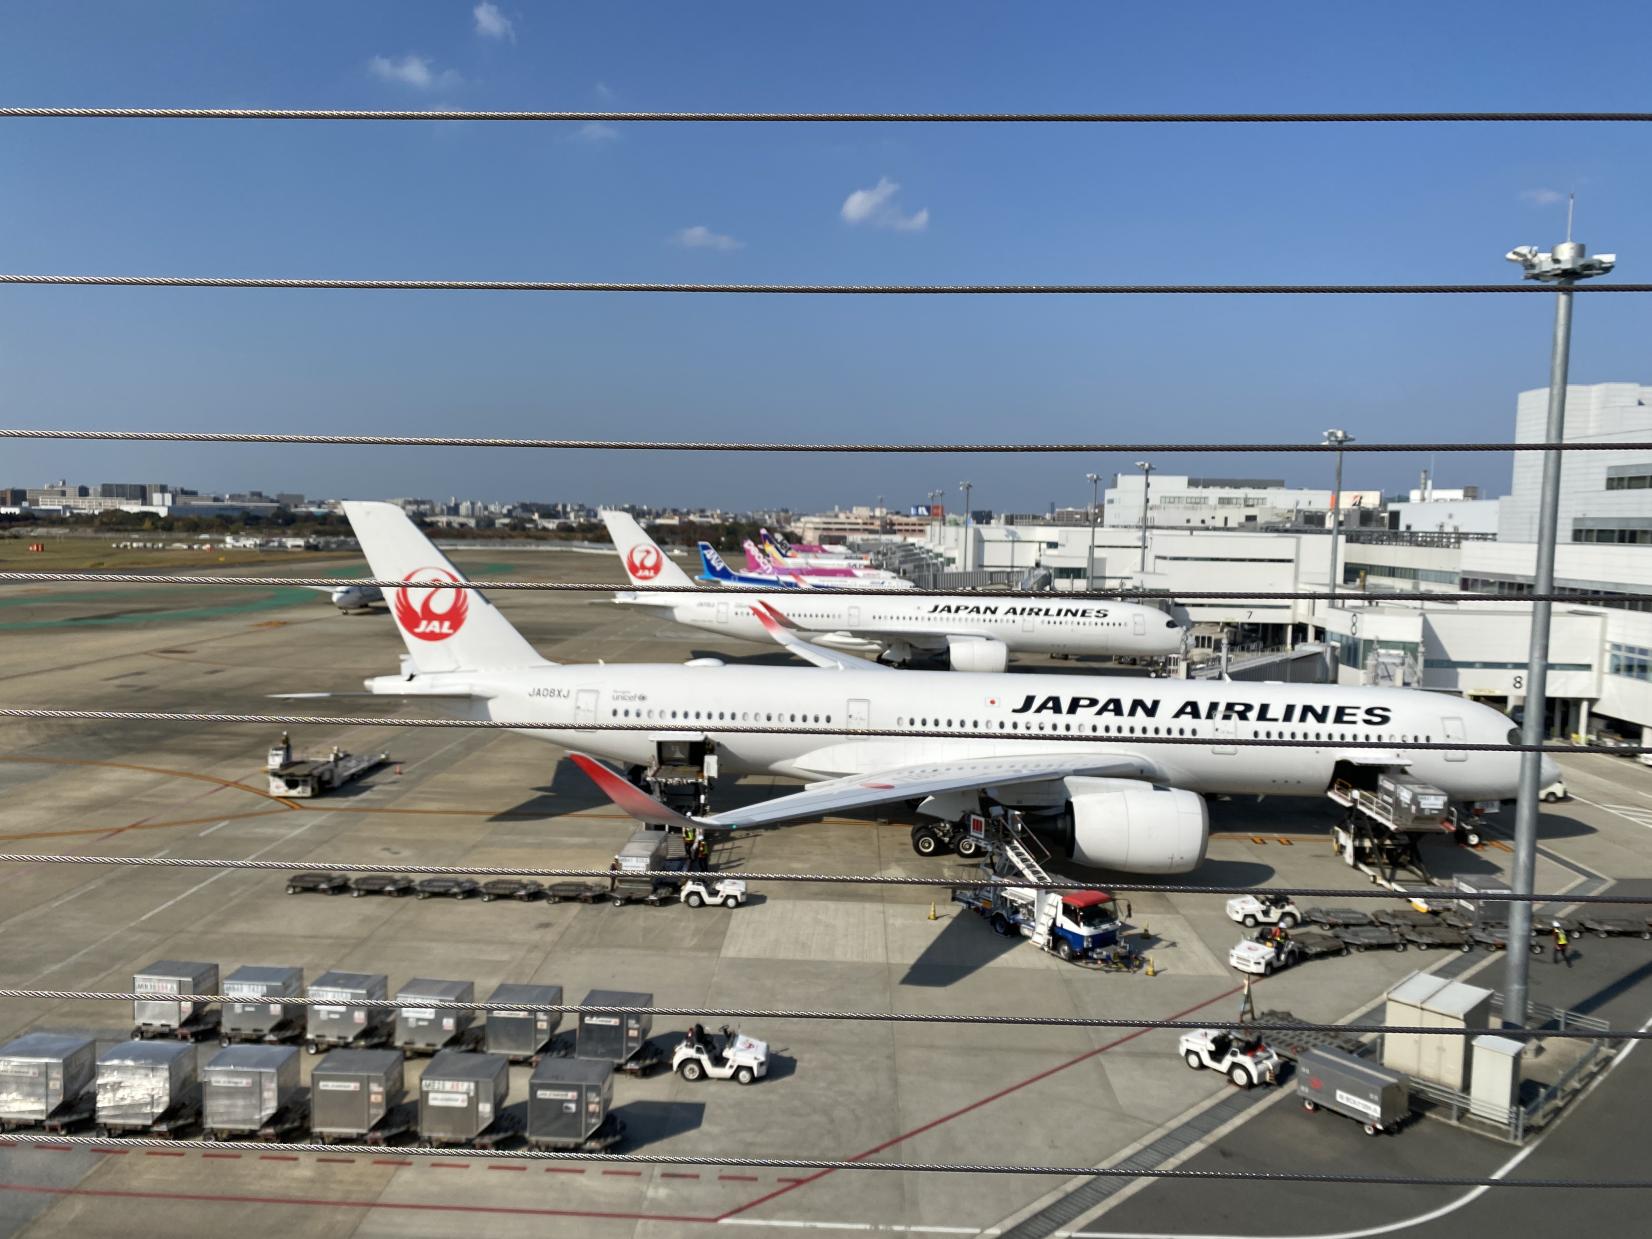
1438	542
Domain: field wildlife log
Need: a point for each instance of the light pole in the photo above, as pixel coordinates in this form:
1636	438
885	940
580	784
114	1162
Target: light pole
1563	268
966	487
1090	554
1336	438
1146	489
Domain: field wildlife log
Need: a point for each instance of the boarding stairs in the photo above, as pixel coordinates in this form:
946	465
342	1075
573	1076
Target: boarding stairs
1013	846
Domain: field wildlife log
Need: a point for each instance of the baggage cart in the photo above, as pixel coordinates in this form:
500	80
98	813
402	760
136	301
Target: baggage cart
1317	944
1377	1099
359	1096
252	1090
261	1015
44	1077
1615	926
573	892
462	1099
428	1029
1436	937
1338	918
1292	1042
147	1087
348	1023
1370	938
520	1035
175	1017
569	1105
618	1039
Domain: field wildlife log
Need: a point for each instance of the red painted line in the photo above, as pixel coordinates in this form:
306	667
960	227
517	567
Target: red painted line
564	1169
676	1174
341	1161
113	1152
168	1153
277	1157
794	1179
973	1106
390	1161
223	1156
390	1205
516	1169
625	1174
448	1165
737	1178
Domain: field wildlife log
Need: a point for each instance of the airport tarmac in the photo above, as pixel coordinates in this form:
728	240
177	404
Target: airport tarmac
875	1092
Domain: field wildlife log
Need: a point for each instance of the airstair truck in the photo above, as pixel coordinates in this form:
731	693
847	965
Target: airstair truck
1079	926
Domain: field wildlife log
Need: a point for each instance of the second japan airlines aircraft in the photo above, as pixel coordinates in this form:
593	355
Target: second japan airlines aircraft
976	632
1121	763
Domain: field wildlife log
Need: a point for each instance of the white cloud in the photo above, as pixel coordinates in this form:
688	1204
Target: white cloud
876	206
411	70
491	23
603	90
699	237
1542	197
595	132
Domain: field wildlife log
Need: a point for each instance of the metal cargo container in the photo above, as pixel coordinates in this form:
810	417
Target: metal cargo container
139	1082
462	1095
171	976
41	1072
243	1087
427	1028
351	1091
1364	1092
644	850
264	1018
347	1022
519	1035
1412	803
613	1038
568	1100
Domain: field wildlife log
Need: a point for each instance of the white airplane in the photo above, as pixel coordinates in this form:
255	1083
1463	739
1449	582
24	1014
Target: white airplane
975	631
1124	798
348	597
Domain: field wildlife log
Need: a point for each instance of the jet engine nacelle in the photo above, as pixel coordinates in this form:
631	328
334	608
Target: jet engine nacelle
1135	826
977	654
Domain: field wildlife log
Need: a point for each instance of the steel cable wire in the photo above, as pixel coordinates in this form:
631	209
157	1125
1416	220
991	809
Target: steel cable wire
668	445
793	729
848	879
836	117
821	1163
876	290
606	587
1571	1032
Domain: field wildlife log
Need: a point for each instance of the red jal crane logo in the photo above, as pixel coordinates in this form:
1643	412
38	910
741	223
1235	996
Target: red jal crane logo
644	562
438	613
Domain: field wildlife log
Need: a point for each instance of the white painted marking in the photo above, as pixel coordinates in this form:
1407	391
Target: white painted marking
210	829
1387	1228
1628	812
63	963
884	1227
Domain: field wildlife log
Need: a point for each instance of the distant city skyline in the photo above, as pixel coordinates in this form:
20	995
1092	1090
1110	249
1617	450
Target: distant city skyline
796	203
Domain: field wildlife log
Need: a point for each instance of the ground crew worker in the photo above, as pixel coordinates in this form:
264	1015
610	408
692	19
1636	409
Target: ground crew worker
1561	942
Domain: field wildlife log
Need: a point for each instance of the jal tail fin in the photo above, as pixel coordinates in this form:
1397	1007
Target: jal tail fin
645	563
445	629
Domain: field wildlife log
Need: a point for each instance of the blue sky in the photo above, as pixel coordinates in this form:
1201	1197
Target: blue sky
798	203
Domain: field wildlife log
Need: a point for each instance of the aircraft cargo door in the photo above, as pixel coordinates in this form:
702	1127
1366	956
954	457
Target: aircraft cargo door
585	707
1454	734
860	713
1225	730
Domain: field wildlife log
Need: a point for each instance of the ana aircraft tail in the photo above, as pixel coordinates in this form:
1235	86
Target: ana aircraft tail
445	629
645	563
712	562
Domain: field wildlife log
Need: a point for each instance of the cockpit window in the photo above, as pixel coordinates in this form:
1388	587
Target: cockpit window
1514	735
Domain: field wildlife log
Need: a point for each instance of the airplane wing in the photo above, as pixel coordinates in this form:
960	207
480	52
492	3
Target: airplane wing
785	633
859	791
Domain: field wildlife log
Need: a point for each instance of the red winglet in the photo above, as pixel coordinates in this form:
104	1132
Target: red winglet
639	804
771	619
